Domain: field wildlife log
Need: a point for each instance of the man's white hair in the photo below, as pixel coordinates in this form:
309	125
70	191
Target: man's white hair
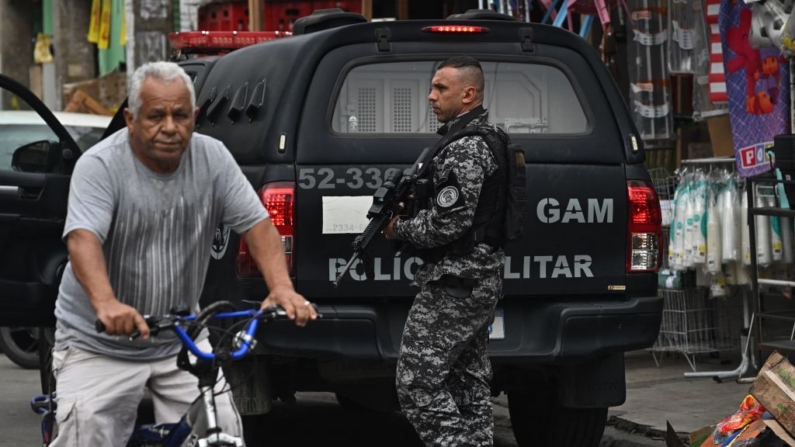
164	71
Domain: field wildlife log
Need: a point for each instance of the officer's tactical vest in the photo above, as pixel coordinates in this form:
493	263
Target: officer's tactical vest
503	197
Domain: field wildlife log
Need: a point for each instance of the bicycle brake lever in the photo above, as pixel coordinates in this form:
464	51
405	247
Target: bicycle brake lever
154	327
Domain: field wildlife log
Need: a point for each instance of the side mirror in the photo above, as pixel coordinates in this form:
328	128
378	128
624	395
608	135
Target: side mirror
40	156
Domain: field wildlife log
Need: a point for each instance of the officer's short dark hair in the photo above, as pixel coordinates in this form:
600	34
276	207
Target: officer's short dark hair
461	61
470	68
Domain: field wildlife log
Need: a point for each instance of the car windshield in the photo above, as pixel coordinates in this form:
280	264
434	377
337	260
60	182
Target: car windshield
18	135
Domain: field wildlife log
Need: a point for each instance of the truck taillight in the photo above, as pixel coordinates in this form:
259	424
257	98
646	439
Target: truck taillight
279	199
457	29
644	249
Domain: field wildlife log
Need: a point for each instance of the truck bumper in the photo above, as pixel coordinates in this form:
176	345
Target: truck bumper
536	332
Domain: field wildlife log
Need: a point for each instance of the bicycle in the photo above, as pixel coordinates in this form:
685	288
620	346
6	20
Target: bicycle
200	420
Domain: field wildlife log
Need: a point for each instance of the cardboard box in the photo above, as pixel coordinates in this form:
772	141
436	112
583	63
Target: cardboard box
780	432
109	90
774	388
702	437
720	134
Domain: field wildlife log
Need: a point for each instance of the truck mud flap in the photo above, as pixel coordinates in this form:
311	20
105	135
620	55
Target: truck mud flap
597	383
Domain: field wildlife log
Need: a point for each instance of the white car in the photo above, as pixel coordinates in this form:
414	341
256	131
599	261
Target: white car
22	127
19	128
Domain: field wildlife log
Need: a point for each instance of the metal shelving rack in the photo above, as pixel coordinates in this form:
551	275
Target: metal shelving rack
763	314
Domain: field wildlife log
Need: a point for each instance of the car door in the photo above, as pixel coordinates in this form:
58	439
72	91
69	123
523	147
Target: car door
37	155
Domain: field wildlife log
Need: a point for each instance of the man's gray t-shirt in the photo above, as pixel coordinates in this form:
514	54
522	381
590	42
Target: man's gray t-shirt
156	232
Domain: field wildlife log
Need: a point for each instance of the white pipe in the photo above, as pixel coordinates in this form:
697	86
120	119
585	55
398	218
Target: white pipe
776	282
709	160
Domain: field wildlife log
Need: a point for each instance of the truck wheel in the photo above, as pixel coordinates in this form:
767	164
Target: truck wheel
21	345
538	418
350	405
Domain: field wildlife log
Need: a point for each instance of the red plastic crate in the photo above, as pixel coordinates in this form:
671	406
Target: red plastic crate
228	16
279	16
233	16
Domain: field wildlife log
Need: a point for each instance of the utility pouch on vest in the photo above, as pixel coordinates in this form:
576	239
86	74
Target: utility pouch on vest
457	287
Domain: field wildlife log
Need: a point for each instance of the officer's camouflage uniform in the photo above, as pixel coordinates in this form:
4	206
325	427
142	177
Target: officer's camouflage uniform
443	371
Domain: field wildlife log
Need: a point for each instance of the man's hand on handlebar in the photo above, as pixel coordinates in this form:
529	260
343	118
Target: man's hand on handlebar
296	306
121	319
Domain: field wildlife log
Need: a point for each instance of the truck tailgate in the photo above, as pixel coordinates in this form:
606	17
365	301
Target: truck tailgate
574	242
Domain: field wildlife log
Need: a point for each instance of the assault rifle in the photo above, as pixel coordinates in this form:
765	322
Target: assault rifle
386	202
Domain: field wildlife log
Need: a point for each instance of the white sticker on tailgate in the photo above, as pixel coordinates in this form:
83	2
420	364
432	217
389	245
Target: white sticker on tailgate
497	329
345	215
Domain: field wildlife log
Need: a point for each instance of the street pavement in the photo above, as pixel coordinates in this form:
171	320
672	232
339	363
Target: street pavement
654	395
660	394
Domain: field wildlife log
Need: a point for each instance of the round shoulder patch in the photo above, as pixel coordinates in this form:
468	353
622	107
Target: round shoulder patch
447	196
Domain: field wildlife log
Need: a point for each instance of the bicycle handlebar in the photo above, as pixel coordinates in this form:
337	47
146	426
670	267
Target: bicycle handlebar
175	323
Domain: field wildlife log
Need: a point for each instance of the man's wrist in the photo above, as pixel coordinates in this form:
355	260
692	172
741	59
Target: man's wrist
396	226
283	286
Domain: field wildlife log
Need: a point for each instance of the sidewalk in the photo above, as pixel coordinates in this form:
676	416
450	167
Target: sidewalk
656	395
659	394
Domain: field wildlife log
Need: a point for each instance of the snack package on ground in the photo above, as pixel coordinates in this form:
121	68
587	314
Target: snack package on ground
750	410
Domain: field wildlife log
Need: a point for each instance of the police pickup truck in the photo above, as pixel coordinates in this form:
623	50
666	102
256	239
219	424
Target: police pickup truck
316	122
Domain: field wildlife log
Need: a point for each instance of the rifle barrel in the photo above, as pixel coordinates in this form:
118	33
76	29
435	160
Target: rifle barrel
345	270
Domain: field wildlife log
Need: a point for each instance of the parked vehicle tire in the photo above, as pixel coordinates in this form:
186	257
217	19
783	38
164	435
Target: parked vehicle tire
350	405
538	418
21	345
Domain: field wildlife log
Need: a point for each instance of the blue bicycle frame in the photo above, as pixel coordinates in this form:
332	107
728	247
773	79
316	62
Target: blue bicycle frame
202	410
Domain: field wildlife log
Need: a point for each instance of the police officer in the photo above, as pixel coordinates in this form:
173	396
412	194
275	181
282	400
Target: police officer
443	370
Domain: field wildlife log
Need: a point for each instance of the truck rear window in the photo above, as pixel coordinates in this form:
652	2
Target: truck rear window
522	98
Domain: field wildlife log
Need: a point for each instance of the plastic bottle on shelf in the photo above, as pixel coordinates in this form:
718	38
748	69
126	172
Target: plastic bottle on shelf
714	238
699	221
727	201
690	229
746	236
679	243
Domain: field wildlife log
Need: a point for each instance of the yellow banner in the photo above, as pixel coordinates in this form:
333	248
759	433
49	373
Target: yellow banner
104	26
123	34
93	26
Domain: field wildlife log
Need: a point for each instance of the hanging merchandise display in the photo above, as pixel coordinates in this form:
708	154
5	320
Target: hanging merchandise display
714	234
96	18
648	69
682	19
41	50
699	247
112	37
730	222
710	234
717	77
746	235
103	40
704	104
758	98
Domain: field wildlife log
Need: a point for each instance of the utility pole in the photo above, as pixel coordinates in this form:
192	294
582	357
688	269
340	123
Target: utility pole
367	9
255	14
403	10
